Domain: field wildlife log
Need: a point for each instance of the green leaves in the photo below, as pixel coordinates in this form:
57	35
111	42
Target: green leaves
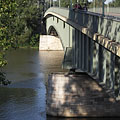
18	18
3	79
27	21
115	3
19	25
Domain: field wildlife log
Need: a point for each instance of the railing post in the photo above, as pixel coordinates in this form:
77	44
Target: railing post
103	7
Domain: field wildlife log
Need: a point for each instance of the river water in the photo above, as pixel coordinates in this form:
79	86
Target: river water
25	97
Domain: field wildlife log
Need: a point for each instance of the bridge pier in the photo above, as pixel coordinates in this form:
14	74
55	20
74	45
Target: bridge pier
49	42
78	95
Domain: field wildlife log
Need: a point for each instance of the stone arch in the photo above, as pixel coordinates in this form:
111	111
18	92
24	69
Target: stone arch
52	31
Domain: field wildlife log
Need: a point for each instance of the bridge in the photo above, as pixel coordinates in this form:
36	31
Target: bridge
92	45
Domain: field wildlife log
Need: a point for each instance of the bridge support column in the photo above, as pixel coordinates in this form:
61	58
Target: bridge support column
90	55
110	76
86	53
76	48
95	60
83	52
73	48
80	50
117	78
102	64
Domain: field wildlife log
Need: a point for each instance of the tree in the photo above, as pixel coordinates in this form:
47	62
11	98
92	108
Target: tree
19	25
96	3
7	15
66	3
28	22
115	3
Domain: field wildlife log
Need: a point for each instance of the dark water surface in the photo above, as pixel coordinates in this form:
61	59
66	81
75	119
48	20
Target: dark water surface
24	98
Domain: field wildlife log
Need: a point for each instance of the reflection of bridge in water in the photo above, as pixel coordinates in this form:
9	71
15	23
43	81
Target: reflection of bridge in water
91	45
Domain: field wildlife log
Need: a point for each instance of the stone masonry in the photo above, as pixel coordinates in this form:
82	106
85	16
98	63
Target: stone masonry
78	96
48	42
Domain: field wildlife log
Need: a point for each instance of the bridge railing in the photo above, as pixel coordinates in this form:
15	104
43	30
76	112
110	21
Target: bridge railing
111	7
108	11
95	46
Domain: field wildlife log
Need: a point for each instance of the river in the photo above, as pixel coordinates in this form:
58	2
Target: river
25	97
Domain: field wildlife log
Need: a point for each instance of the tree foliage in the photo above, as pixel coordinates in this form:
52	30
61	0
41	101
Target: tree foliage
29	17
7	15
115	3
66	3
96	3
19	26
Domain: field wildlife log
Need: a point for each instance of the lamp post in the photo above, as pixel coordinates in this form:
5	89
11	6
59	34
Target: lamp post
50	3
71	4
103	7
103	10
53	3
94	6
59	3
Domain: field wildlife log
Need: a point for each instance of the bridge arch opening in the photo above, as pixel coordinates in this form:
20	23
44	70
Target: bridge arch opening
52	31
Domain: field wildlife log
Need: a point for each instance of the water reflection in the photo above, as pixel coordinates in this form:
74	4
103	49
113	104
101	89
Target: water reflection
88	118
51	62
23	65
24	99
16	94
21	103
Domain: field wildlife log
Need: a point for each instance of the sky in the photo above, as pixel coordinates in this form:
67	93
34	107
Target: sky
107	1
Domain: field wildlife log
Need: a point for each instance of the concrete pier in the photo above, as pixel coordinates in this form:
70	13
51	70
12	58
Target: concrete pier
78	96
48	42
